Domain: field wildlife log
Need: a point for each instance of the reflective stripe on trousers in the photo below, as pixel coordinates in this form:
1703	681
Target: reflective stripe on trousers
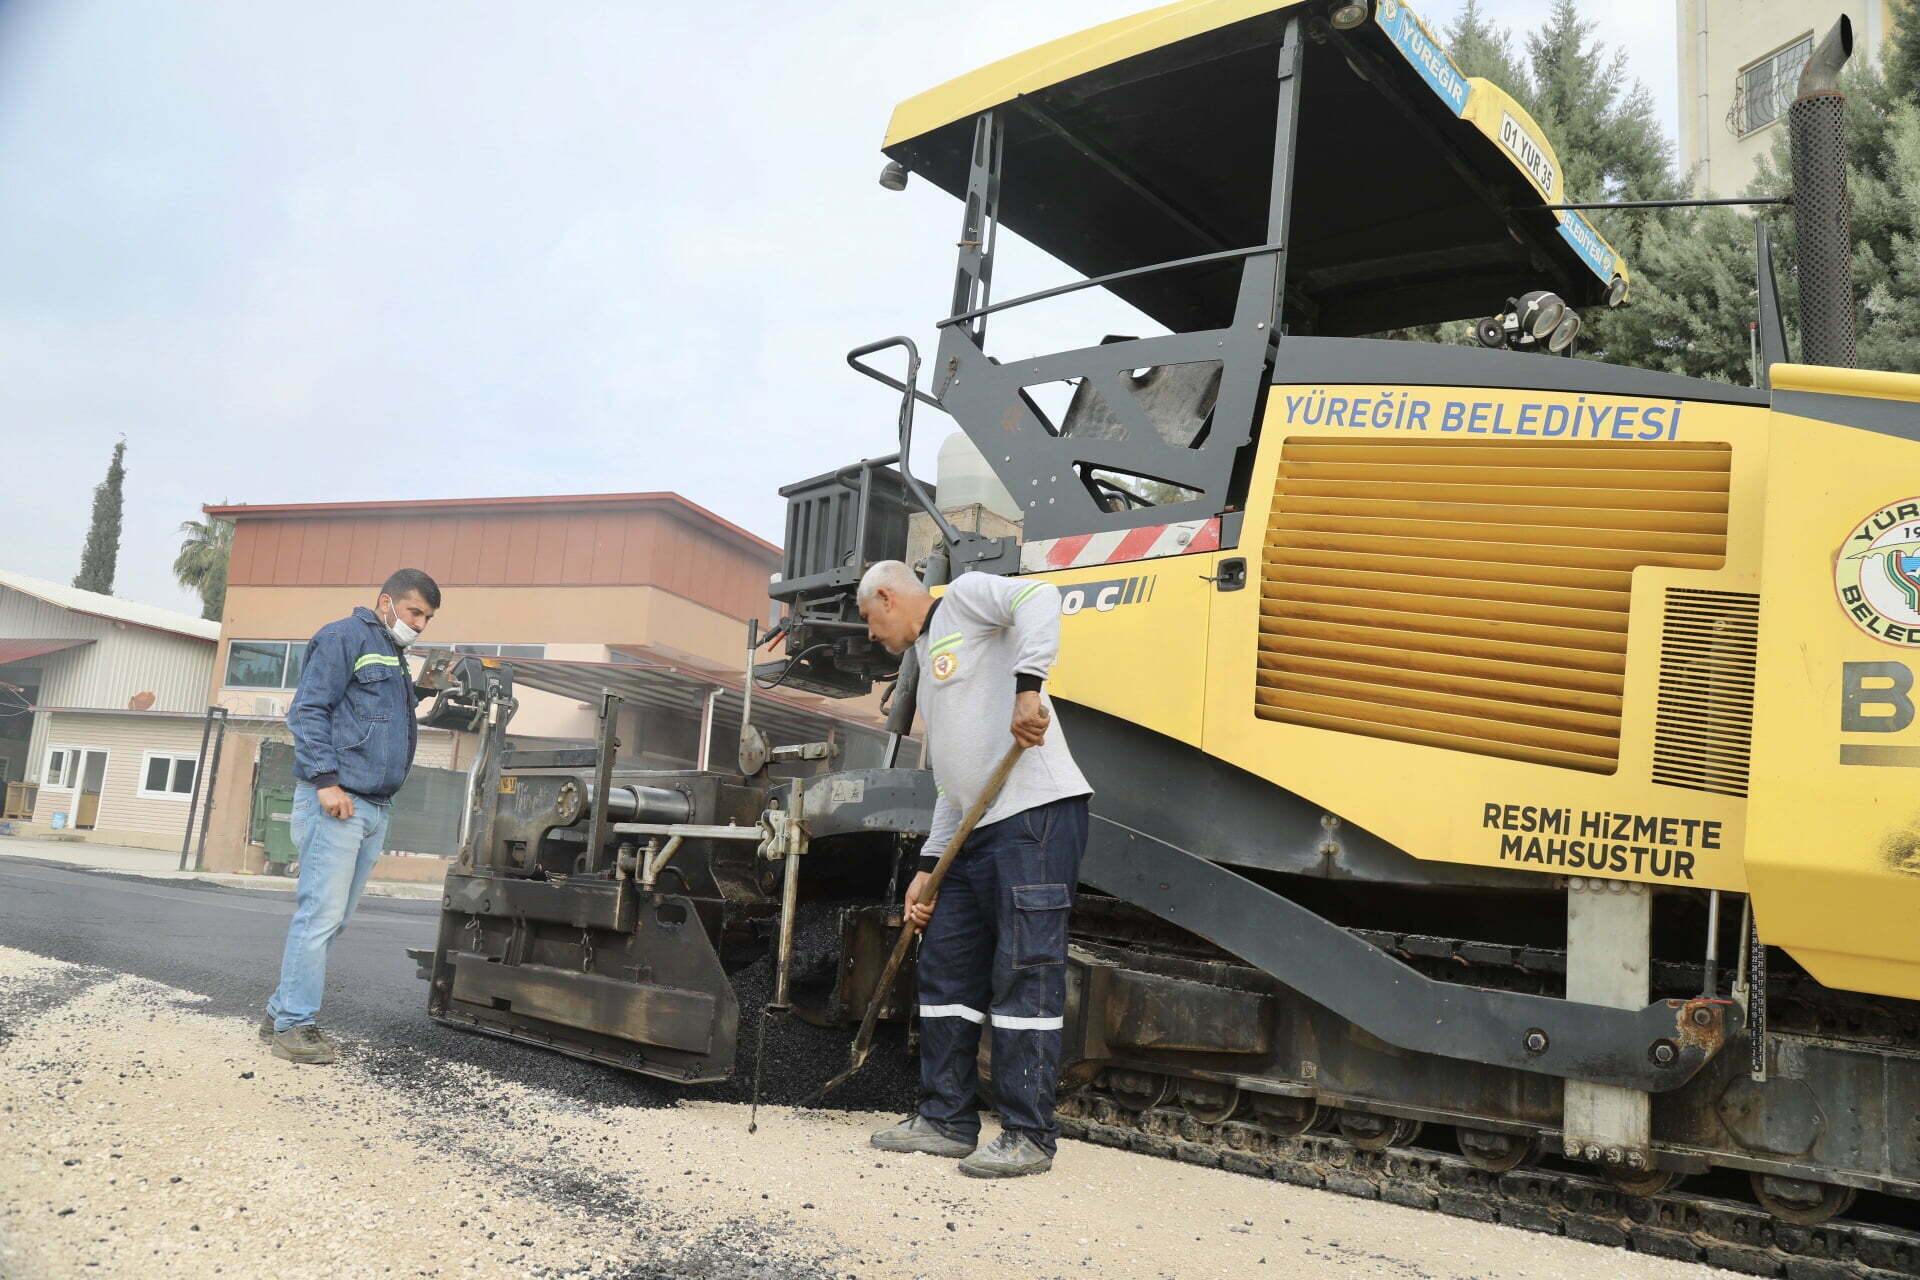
995	954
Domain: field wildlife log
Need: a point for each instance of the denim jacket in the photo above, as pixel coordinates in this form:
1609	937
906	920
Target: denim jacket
352	716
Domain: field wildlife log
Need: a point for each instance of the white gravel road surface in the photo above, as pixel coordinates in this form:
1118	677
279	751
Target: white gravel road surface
140	1137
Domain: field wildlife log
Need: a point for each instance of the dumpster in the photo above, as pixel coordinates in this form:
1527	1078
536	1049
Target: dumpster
273	827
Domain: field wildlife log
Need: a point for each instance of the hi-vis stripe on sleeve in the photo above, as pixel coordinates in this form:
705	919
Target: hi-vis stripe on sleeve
952	1011
1021	598
944	643
382	659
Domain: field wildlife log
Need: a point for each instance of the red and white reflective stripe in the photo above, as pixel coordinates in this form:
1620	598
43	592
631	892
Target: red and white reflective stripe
1144	543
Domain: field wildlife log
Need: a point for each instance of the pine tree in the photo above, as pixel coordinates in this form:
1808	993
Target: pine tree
1602	125
1693	296
202	563
102	553
1693	269
1485	49
1902	57
1602	128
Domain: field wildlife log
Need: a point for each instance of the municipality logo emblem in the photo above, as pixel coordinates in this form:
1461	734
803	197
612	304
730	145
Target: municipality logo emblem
1877	574
944	665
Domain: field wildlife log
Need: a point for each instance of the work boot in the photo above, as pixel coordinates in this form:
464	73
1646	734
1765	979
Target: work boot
303	1044
267	1033
1008	1156
928	1137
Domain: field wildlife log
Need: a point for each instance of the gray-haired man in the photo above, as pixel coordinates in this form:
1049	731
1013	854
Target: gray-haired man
996	949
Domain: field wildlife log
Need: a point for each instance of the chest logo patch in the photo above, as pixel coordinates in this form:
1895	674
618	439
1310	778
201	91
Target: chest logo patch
945	664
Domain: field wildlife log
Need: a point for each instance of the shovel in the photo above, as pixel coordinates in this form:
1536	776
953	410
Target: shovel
863	1042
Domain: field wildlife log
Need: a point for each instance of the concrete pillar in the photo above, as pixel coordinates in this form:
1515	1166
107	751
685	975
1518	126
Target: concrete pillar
227	847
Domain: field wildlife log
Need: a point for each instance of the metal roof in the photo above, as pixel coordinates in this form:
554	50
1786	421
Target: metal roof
114	609
21	650
1059	60
663	500
1416	193
682	690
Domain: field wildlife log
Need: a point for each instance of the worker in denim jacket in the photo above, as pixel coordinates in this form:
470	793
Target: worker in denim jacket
353	740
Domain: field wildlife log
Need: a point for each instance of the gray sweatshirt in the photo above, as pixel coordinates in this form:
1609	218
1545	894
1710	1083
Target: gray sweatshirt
985	635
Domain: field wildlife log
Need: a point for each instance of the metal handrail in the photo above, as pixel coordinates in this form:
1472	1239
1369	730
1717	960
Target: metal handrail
1200	260
910	391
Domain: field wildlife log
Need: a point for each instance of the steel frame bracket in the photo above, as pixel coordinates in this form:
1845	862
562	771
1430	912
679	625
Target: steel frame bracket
1653	1049
1046	472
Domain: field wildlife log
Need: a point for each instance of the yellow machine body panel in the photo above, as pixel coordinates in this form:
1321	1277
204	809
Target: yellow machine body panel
1833	849
1507	628
1463	605
1135	640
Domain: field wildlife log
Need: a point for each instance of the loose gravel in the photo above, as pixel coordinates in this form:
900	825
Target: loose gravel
143	1136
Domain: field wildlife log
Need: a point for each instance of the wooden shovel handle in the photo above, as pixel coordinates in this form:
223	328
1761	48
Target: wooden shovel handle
988	794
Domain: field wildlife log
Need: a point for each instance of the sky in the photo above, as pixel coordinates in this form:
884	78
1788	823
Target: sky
389	249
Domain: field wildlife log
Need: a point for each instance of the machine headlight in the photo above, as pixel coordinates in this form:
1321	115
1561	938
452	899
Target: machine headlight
1617	291
1540	312
1345	17
894	176
1564	332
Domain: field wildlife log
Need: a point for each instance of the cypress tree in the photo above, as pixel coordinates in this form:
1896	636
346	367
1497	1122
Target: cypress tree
102	553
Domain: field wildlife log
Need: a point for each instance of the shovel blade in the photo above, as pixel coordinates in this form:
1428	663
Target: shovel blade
858	1060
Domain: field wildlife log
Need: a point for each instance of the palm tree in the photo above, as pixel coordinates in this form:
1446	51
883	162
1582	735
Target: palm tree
202	563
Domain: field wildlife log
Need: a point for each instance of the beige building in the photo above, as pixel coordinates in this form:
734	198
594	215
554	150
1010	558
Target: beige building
644	594
623	578
102	703
1739	62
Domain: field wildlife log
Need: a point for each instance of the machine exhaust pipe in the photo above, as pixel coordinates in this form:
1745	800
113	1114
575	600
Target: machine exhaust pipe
1822	208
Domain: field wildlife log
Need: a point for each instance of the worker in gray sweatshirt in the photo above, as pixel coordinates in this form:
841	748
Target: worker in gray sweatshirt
995	949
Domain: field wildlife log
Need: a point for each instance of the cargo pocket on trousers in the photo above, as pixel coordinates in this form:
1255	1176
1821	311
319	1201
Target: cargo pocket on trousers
1040	925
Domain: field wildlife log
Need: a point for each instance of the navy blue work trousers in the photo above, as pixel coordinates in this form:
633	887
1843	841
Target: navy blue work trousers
995	953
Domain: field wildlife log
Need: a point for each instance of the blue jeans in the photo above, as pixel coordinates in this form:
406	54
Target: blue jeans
995	953
336	856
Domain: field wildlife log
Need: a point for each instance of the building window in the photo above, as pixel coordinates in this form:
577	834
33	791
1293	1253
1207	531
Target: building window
1762	91
502	650
62	766
265	664
167	777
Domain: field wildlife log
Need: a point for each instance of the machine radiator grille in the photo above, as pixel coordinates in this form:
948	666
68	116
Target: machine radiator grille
1703	730
1472	594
